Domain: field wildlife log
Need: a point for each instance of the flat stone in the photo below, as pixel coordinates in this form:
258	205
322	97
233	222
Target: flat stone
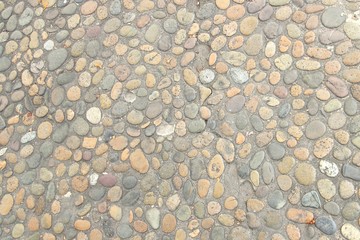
315	129
326	225
351	172
311	199
153	217
332	36
305	174
276	151
255	6
238	75
330	169
323	147
352	30
337	87
124	230
333	17
332	208
351	211
5	64
56	58
235	104
276	199
350	232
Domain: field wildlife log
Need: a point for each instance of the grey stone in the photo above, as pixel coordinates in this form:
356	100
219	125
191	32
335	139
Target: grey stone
272	30
196	126
221	83
165	43
268	173
197	168
235	104
11	23
241	120
152	34
34	160
29	136
315	129
217	233
189	192
191	110
266	13
183	213
119	109
256	123
66	77
312	106
206	11
61	35
167	170
351	211
326	225
311	199
276	151
69	9
290	76
28	177
238	75
60	133
97	193
284	110
206	76
131	198
199	210
350	106
115	7
26	17
255	6
190	93
5	64
124	230
153	217
314	79
333	17
170	25
154	109
108	82
331	36
332	208
92	48
56	58
276	199
46	149
80	126
129	182
6	13
273	220
351	171
257	159
243	171
111	25
254	45
2	123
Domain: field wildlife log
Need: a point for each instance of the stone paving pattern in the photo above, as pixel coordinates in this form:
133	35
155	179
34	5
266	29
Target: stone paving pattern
179	119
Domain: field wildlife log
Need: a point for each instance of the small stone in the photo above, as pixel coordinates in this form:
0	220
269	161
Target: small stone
333	17
56	58
276	151
299	215
350	232
93	115
138	161
216	167
351	172
305	174
168	223
326	225
315	129
323	147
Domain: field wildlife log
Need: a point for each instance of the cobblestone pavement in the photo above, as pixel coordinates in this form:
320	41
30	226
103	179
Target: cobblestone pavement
179	119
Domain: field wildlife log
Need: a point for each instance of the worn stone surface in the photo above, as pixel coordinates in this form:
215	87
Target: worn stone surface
179	119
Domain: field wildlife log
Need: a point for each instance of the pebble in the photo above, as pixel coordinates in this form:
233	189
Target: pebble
311	199
326	225
56	58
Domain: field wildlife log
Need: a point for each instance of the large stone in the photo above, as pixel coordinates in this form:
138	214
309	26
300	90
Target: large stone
138	161
56	58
